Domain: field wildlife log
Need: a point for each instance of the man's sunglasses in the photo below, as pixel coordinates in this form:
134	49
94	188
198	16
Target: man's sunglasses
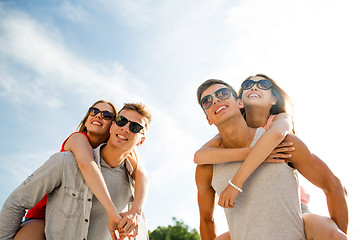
262	84
106	115
222	94
133	126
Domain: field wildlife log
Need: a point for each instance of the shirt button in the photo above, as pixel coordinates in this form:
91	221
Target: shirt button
86	220
89	199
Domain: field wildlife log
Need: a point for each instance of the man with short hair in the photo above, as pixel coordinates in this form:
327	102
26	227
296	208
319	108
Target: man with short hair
71	211
269	206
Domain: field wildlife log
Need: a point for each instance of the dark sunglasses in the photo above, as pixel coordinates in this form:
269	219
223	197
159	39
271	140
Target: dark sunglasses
133	126
106	115
262	84
222	94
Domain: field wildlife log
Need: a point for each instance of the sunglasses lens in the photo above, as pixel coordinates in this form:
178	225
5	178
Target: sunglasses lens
206	102
264	84
93	111
121	121
107	115
223	93
135	127
247	84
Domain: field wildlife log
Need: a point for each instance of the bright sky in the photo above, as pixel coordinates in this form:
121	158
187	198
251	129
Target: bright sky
58	57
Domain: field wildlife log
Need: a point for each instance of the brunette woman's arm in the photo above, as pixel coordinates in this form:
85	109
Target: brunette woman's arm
211	154
279	128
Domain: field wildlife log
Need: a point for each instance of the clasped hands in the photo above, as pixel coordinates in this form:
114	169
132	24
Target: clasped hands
124	223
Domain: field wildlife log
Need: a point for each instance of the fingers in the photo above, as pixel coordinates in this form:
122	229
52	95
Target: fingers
272	159
226	203
136	231
113	235
278	157
227	197
285	144
284	147
281	153
127	224
128	227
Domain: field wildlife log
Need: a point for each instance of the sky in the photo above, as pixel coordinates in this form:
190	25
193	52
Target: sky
58	57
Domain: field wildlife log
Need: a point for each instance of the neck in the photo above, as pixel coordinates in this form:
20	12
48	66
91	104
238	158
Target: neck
235	133
257	117
113	156
96	140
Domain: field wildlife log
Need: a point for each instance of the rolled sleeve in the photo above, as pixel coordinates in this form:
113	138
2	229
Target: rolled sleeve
44	180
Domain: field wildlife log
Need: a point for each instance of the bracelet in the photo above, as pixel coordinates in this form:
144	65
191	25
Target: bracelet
234	186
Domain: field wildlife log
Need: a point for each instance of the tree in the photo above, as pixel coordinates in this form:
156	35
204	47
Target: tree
179	231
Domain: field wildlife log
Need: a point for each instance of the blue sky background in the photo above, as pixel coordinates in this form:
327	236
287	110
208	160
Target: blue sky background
58	57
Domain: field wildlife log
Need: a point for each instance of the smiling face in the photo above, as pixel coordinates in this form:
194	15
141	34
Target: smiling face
122	137
221	110
258	97
96	125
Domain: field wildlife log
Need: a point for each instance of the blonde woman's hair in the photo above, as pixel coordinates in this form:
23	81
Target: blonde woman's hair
81	127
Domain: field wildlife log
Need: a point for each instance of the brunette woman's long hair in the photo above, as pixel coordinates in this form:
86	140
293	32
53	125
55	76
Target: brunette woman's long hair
283	104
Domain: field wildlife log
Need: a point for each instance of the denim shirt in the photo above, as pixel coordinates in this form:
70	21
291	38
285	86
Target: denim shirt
69	202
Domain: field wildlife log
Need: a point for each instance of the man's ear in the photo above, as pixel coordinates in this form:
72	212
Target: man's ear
240	103
274	100
140	142
207	118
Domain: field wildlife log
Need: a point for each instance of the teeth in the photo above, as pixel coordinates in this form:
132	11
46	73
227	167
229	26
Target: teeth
223	107
253	95
122	137
96	123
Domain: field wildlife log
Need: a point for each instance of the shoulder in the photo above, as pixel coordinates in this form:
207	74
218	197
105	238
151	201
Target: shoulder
63	157
294	139
75	138
281	115
302	153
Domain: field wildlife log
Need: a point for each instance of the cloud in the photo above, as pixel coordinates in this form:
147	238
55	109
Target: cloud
74	13
133	13
36	63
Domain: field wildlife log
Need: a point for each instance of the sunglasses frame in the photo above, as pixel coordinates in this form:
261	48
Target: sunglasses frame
93	111
257	84
131	124
215	94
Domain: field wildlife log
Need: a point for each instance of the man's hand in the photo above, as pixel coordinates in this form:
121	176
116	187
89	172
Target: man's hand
129	222
227	197
281	153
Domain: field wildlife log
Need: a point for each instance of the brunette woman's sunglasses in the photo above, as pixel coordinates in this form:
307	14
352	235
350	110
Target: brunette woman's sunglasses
222	94
262	84
133	126
106	115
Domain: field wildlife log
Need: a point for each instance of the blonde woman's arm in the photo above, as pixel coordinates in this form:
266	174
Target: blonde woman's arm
79	145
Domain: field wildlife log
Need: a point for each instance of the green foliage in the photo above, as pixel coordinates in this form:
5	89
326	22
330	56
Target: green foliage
179	231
